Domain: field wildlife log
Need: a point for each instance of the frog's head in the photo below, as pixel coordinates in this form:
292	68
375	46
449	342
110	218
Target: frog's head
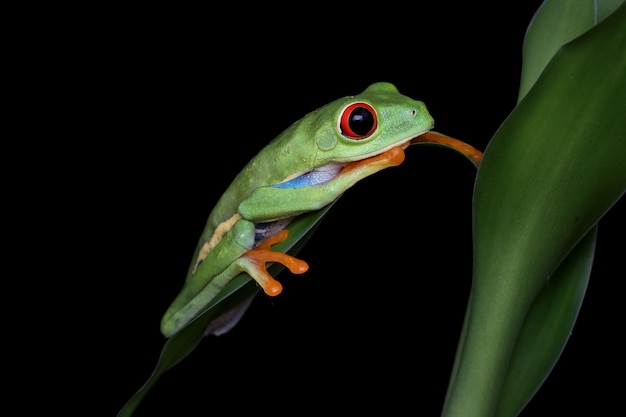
357	127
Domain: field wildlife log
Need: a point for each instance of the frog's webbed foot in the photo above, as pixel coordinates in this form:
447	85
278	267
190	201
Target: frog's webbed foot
253	262
439	138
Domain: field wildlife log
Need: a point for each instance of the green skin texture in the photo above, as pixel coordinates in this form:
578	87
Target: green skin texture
312	142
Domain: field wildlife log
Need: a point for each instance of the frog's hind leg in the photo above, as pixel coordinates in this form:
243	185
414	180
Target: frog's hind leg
253	262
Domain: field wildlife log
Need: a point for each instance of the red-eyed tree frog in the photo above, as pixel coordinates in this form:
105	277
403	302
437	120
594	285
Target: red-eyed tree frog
305	168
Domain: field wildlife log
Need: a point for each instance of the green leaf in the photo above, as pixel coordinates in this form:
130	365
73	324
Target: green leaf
555	24
184	342
556	165
553	314
236	292
547	328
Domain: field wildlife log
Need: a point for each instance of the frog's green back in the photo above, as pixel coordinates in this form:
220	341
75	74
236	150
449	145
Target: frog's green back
316	140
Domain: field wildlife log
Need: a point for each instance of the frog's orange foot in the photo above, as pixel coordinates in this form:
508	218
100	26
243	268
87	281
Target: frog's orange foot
253	262
466	149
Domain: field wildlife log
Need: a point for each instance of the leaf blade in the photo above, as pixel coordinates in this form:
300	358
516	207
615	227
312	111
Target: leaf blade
539	177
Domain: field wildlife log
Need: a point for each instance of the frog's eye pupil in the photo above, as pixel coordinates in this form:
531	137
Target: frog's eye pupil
361	121
358	121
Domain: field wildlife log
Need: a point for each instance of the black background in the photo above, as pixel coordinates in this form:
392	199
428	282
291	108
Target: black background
173	103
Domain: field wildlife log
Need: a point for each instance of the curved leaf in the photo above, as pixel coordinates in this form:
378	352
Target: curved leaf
552	170
547	328
236	292
555	24
553	314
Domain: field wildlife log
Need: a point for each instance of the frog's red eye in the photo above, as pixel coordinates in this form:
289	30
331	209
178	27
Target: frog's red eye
358	121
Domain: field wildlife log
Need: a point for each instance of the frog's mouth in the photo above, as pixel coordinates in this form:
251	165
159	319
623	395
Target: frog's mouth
401	143
390	156
328	172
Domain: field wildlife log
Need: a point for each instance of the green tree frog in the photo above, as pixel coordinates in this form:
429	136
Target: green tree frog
306	167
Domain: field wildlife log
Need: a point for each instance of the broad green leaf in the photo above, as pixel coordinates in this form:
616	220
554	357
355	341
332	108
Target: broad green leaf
556	23
553	314
547	328
552	170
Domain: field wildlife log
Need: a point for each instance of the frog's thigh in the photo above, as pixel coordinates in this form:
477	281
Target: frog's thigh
238	240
